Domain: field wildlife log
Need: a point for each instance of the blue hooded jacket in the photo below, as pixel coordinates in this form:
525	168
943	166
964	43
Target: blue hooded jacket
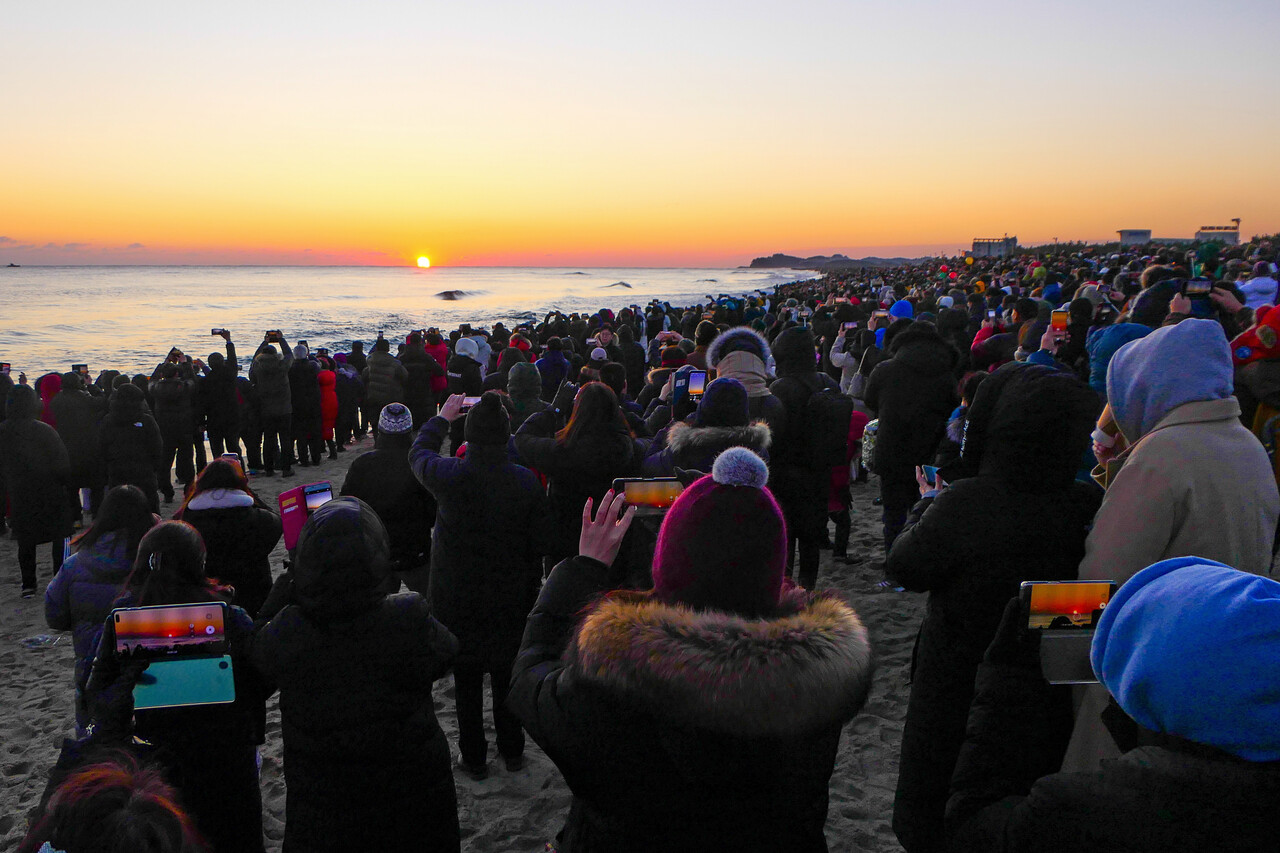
1173	365
1102	345
1188	647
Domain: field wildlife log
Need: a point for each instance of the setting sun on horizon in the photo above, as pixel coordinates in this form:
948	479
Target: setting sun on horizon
600	135
424	262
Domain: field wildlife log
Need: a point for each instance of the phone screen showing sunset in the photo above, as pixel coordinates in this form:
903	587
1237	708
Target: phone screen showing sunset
1067	605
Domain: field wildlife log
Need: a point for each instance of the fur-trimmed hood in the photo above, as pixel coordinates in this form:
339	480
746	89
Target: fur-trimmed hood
685	437
786	676
738	338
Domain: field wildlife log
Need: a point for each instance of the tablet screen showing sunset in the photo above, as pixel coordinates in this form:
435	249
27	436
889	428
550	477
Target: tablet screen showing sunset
173	630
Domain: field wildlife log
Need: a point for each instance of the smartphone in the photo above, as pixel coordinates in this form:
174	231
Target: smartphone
679	388
467	403
991	315
273	337
930	474
235	460
80	368
880	315
697	383
650	496
1065	613
317	495
1198	290
216	331
1059	319
849	327
4	367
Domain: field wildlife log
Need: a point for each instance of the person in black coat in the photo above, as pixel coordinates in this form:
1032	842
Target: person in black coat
238	529
366	763
383	479
912	394
801	487
1018	514
720	422
1195	774
221	399
304	392
350	391
633	358
705	713
36	474
78	415
491	531
465	378
250	411
417	388
173	393
130	443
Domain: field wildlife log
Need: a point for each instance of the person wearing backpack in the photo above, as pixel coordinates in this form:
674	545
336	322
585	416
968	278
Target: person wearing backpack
812	441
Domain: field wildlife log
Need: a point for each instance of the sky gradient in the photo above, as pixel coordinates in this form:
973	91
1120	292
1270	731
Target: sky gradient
587	134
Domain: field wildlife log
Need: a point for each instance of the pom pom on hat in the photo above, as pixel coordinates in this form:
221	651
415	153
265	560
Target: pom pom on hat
395	419
738	466
723	543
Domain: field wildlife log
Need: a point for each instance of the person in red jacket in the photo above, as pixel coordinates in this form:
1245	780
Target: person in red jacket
328	380
439	350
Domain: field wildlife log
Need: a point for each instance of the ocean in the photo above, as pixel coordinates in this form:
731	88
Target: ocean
127	318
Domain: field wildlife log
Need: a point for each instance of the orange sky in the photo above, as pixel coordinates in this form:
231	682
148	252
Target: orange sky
574	135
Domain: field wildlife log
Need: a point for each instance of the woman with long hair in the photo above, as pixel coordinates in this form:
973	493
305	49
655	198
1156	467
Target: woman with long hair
239	531
582	458
208	752
82	593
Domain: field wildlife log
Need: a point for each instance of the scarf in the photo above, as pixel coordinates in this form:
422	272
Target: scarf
747	369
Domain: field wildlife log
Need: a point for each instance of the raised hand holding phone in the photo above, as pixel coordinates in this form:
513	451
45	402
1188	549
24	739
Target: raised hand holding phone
922	480
452	408
602	536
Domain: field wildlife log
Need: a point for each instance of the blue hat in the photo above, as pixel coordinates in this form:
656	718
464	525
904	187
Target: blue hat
902	308
724	404
1189	647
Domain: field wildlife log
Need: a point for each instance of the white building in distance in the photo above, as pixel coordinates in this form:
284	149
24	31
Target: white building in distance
1134	236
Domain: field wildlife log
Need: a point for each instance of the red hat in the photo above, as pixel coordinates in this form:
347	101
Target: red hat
673	356
1261	341
723	543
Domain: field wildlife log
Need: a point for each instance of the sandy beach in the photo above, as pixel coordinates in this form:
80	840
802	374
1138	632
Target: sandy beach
508	811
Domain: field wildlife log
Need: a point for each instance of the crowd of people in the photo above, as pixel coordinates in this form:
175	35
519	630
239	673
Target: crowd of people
1093	415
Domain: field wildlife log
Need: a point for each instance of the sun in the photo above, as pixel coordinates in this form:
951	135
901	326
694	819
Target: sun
424	262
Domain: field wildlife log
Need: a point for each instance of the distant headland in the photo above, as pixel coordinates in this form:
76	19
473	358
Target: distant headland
825	263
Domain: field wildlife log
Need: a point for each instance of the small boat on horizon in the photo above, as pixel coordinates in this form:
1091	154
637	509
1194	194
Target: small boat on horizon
15	265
